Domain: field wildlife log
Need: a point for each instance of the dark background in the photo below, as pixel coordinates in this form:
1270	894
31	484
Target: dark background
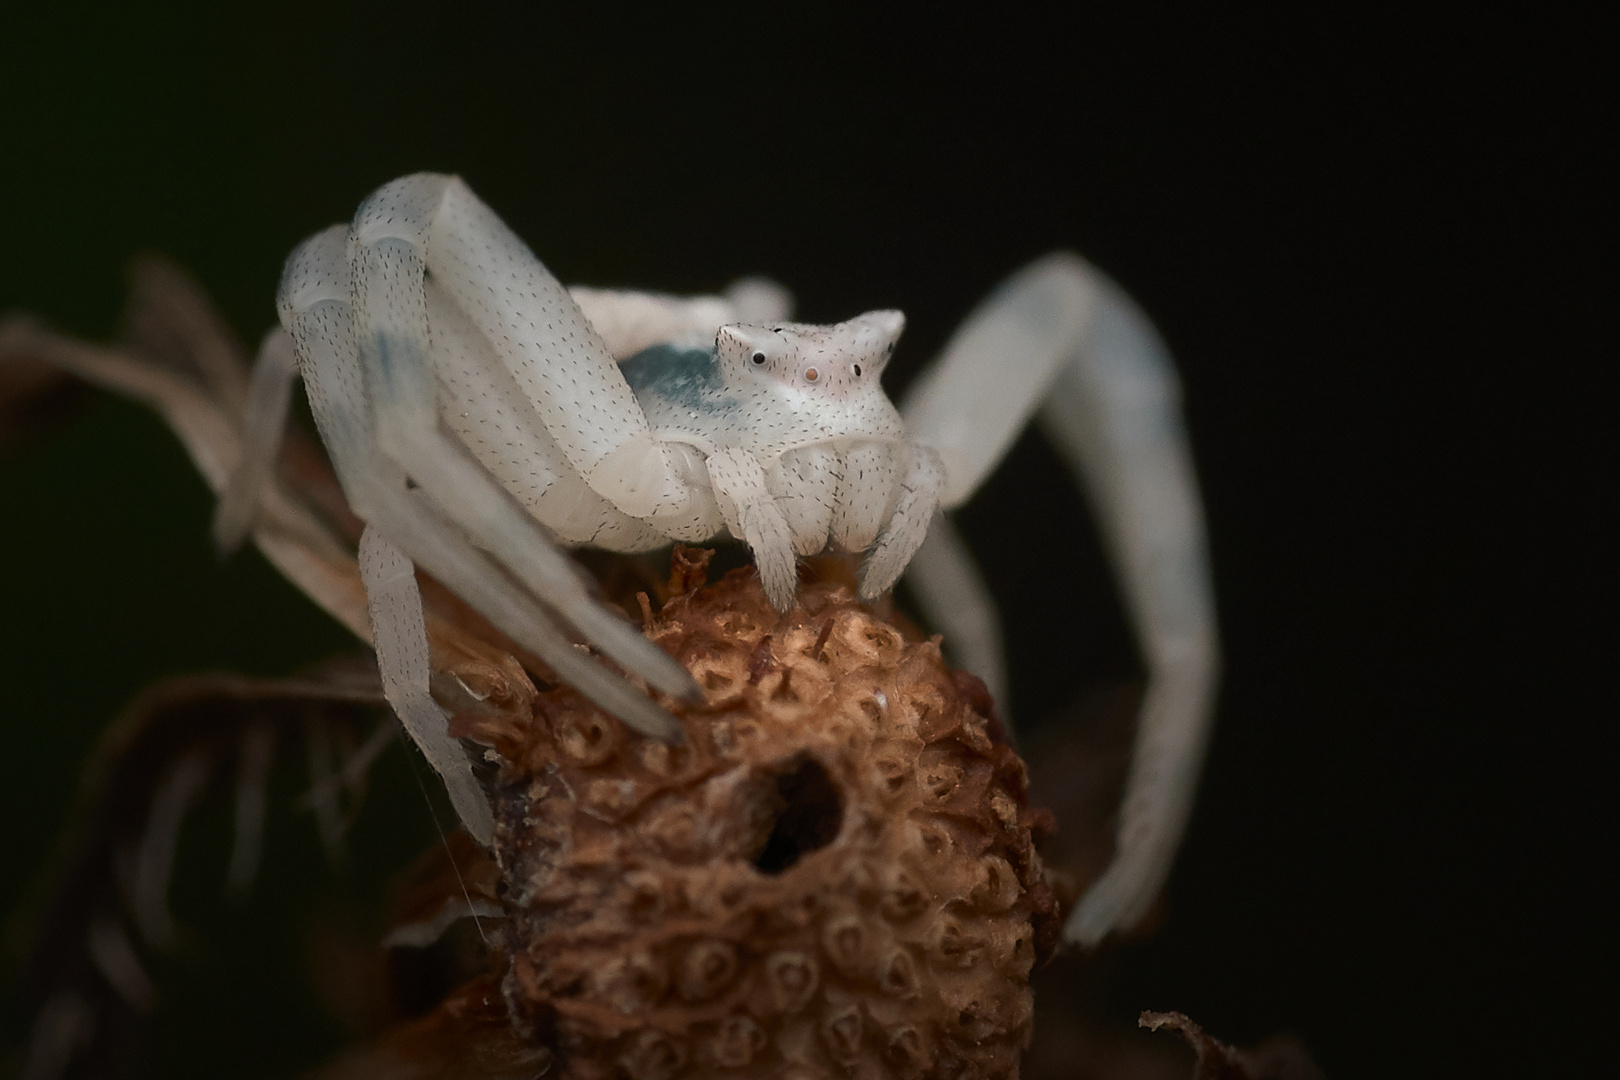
1373	245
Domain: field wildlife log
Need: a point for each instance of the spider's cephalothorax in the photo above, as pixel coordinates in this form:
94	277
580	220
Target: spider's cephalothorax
805	402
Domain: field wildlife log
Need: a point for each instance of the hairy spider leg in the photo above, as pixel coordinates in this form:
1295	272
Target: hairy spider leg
395	605
481	405
1115	415
1061	333
537	331
315	307
392	339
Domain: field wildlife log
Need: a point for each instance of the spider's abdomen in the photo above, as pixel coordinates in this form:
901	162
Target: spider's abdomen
684	394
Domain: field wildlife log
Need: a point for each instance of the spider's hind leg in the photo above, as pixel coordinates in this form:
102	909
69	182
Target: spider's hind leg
946	583
400	636
1114	413
1060	338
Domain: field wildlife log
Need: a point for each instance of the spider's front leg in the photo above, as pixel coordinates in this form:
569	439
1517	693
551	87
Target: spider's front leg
356	303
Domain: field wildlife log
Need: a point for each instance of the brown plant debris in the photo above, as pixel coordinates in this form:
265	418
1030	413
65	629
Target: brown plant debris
1279	1058
104	925
834	875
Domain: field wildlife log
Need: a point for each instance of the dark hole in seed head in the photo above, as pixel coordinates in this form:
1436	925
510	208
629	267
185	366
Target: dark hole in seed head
808	816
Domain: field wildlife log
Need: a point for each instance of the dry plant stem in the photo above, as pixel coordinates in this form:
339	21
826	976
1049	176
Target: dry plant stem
1278	1058
87	985
178	357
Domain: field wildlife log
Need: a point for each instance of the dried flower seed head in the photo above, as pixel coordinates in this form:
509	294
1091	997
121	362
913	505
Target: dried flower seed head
834	874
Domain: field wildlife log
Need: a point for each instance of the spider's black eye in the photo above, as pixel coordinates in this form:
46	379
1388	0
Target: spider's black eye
857	371
759	358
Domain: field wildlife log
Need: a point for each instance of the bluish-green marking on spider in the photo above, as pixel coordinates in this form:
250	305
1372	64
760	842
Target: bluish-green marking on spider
689	378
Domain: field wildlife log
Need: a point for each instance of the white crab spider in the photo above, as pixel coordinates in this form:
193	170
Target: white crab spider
480	417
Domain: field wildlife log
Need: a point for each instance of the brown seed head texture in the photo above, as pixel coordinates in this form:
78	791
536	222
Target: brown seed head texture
833	876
